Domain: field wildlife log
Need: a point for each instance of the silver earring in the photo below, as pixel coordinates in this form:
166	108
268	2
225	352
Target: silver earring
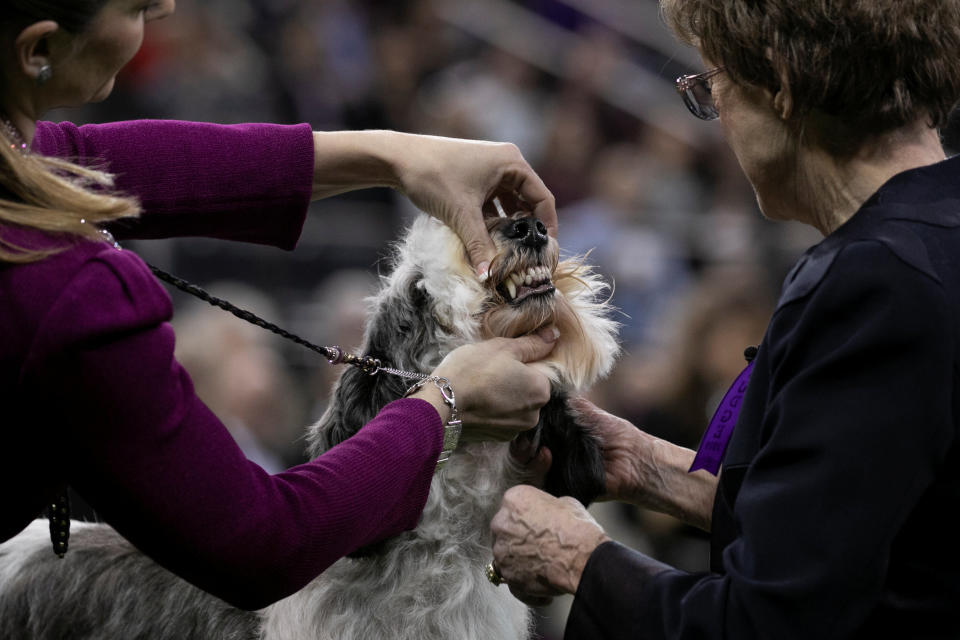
44	75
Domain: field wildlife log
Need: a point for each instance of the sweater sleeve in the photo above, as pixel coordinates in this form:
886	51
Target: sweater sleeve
249	182
162	469
857	424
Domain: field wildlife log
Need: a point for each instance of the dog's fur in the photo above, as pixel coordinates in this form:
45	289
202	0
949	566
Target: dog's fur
426	583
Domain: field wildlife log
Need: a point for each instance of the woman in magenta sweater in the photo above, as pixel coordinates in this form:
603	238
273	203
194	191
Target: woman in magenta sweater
93	396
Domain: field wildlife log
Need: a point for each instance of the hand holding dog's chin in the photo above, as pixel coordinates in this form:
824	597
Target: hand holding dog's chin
541	543
498	395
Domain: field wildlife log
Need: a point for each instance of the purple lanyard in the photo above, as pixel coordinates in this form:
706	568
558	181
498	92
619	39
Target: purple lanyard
715	438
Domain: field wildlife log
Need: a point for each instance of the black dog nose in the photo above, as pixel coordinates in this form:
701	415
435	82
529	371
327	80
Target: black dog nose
529	232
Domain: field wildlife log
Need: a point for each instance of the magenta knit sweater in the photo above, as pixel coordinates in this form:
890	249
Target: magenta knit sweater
94	398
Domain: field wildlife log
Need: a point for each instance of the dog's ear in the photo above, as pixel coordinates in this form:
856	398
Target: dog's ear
357	399
400	332
577	468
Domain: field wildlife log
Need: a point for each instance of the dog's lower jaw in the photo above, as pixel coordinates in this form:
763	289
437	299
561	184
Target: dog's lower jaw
433	577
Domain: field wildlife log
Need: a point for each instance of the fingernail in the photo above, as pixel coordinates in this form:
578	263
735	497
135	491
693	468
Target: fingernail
549	334
483	271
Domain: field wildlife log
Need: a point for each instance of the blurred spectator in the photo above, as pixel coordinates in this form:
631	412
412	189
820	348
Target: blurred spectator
617	225
571	141
205	66
334	315
727	311
238	372
325	60
492	97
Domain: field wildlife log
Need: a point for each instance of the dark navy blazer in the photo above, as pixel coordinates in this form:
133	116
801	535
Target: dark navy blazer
833	510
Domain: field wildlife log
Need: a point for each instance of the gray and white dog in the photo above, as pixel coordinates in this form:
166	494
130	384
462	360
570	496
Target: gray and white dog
426	583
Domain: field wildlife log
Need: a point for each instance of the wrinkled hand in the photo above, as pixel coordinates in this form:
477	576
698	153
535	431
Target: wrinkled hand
541	544
451	179
617	438
497	394
647	471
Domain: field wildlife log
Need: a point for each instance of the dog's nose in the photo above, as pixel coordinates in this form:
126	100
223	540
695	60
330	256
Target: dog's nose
529	232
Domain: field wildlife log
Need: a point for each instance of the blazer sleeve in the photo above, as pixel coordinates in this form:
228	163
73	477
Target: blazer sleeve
857	424
156	464
248	182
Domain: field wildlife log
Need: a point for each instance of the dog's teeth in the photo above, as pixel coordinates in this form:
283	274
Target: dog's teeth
528	279
511	289
513	278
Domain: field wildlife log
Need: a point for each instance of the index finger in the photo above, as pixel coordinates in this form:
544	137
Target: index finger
476	239
533	346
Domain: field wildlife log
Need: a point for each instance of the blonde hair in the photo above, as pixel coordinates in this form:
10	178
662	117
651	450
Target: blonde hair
54	196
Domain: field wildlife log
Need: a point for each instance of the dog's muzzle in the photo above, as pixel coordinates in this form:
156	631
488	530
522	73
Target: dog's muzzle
530	236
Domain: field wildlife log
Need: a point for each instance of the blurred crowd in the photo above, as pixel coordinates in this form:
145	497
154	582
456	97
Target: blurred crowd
659	205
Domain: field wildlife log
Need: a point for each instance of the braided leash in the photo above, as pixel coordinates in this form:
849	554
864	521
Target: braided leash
334	355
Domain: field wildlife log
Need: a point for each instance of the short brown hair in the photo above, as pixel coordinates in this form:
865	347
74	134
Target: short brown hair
875	65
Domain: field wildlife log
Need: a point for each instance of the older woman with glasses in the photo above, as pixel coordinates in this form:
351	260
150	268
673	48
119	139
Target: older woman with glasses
827	520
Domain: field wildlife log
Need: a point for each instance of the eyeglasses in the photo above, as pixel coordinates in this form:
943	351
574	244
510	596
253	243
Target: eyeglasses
696	94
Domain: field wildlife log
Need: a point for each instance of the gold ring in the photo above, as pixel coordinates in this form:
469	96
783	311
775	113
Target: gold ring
493	575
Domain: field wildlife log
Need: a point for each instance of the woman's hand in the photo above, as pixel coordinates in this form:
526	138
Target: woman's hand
541	544
647	471
497	394
622	464
449	178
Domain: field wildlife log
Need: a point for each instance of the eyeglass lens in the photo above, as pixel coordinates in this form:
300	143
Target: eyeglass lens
699	99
